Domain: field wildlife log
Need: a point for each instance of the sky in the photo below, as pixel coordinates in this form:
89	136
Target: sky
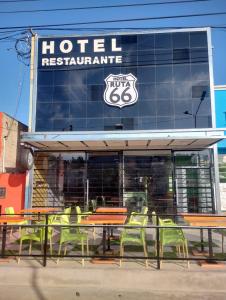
15	75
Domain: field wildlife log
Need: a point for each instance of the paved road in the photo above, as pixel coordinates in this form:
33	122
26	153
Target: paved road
109	282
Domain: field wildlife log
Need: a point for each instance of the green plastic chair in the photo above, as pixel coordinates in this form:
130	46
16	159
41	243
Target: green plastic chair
63	218
11	213
81	215
36	234
173	237
31	235
137	218
68	237
135	236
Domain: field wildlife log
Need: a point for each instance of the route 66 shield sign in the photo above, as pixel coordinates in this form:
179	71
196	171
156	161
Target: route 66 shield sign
120	90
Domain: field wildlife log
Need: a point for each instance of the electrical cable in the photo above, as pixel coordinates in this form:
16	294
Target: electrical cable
115	21
19	94
102	7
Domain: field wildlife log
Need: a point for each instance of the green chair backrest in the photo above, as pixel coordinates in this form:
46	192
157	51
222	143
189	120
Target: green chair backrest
144	210
65	219
79	216
154	218
9	210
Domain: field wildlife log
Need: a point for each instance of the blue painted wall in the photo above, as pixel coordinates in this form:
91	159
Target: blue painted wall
220	105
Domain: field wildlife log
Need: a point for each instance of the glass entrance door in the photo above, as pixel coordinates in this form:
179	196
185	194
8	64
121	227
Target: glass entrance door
148	180
103	178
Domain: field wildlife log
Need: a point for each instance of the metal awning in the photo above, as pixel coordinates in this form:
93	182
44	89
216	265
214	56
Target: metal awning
124	140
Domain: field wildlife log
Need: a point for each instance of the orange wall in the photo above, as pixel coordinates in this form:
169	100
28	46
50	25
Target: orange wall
1	125
15	191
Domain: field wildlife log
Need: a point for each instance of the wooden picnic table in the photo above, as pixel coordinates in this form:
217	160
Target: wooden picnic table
114	219
207	220
39	210
119	210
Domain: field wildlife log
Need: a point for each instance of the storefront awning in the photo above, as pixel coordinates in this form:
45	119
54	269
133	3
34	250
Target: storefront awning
123	140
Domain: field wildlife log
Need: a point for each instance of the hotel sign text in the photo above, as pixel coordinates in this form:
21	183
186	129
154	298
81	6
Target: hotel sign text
79	51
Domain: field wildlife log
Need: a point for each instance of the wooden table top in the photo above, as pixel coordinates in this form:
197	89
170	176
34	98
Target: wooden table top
206	220
111	210
105	219
39	210
13	219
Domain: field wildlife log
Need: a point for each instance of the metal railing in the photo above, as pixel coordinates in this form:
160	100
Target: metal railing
107	228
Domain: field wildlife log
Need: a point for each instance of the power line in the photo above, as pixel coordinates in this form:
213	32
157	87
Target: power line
114	21
102	7
14	1
19	94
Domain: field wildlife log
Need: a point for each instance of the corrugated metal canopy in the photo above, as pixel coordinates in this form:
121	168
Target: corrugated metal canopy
112	140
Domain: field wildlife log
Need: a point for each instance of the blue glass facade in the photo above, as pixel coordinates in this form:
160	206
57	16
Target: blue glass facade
172	82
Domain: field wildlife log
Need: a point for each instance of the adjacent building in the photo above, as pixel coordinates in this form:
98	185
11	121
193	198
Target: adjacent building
124	119
12	172
220	98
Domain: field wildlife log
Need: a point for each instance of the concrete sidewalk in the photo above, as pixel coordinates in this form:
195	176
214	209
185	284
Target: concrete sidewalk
68	280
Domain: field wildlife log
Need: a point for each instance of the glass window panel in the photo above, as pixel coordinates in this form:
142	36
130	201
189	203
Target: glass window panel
112	123
146	58
165	122
62	124
111	70
95	76
198	39
94	109
78	110
129	123
199	55
146	74
201	107
182	72
180	40
44	110
181	56
165	108
45	78
164	74
60	110
129	42
127	70
199	91
61	77
184	121
145	41
146	92
95	92
182	90
43	125
163	57
147	108
180	107
148	123
130	111
164	90
204	122
78	124
45	94
95	124
129	58
78	77
200	72
111	111
61	94
163	41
